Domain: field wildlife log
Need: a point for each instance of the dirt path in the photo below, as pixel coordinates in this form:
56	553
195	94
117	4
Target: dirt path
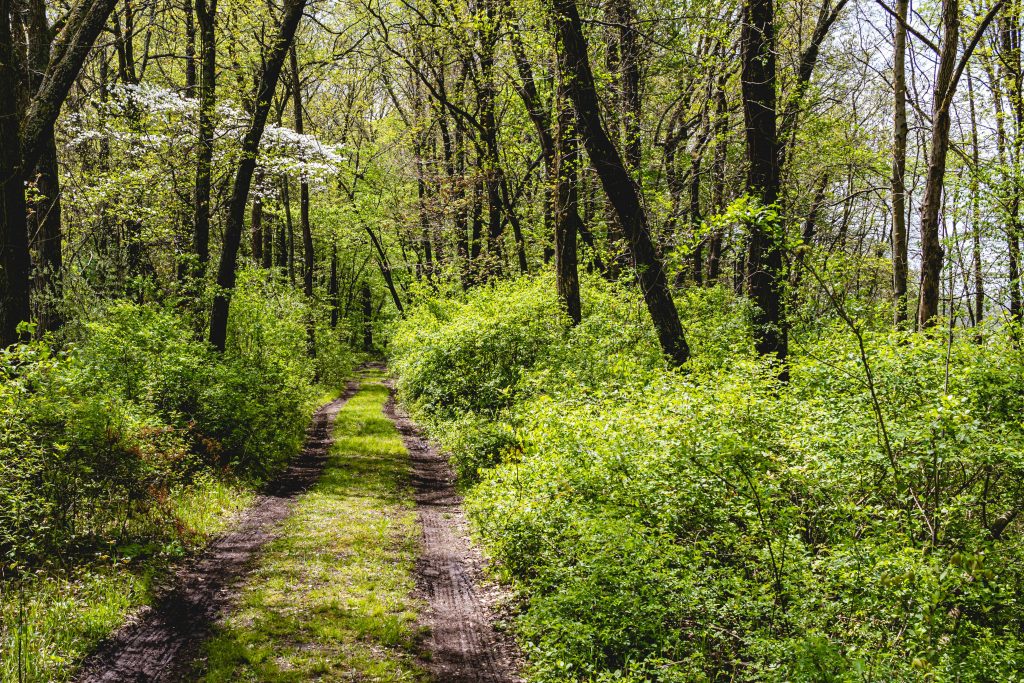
159	644
463	643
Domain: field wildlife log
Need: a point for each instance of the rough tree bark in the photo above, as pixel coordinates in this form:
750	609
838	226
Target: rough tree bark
45	211
14	257
1010	68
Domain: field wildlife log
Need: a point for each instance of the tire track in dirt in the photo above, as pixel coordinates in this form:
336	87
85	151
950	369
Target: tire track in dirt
160	642
463	643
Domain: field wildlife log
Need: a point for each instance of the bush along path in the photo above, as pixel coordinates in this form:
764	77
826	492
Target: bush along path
159	643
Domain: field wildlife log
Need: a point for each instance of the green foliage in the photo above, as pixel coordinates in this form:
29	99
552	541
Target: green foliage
471	355
711	524
97	436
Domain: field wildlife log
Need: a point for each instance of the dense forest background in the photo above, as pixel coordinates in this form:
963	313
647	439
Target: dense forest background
716	305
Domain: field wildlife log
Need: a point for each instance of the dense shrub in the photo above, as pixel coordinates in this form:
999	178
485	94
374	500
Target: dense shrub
98	436
470	355
710	524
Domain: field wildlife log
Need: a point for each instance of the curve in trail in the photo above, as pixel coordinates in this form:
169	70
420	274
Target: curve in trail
159	644
463	643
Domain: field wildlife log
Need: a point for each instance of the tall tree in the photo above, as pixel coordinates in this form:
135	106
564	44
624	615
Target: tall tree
765	250
950	69
25	138
308	254
899	163
1013	78
566	200
227	269
45	208
619	186
14	256
206	17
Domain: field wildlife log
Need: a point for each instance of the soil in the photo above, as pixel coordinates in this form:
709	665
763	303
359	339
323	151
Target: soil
463	644
161	641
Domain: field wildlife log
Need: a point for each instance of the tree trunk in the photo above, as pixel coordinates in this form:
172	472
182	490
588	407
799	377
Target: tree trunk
46	209
256	229
227	270
206	17
366	297
1010	61
566	205
15	265
304	227
899	166
25	139
764	256
629	84
487	96
332	286
286	199
307	233
190	49
618	185
718	179
931	246
696	219
979	283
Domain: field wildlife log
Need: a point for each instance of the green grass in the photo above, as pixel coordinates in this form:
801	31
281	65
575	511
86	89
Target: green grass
331	598
52	618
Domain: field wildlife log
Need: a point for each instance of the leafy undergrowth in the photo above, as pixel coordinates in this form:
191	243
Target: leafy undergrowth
125	448
711	524
330	599
51	619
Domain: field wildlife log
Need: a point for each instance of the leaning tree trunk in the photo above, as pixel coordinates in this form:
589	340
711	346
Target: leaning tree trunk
619	186
226	272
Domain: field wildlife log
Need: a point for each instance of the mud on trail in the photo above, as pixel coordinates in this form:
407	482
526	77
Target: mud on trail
463	644
158	645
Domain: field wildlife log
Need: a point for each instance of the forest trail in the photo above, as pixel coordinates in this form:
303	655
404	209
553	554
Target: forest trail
356	563
158	645
464	645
